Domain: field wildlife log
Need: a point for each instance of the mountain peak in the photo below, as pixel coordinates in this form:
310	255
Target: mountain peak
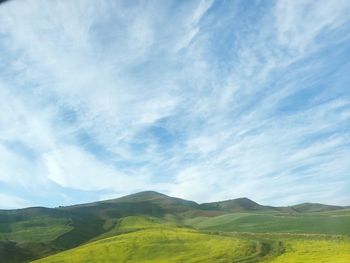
141	196
242	199
237	205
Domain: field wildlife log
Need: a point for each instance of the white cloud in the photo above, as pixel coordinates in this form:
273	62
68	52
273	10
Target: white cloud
150	86
74	168
299	23
11	202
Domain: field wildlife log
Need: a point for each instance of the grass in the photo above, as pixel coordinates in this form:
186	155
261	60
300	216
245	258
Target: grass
134	223
41	229
158	245
141	222
317	223
314	251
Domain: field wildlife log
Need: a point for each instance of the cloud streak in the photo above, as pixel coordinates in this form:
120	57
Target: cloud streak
202	100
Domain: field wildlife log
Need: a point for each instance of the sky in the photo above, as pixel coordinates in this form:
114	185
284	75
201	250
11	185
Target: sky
202	100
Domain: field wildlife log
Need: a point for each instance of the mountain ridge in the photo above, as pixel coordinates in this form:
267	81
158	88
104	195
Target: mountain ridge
242	202
150	195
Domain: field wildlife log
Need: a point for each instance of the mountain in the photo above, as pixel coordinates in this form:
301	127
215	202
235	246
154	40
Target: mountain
167	203
30	233
237	205
144	203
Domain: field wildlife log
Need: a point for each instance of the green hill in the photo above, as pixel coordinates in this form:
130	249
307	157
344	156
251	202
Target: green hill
159	245
150	241
32	233
314	207
237	205
311	223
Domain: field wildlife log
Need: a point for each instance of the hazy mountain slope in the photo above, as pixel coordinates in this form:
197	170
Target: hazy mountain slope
315	207
154	197
148	202
237	205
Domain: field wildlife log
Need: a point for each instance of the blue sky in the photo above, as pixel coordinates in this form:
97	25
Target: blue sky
204	100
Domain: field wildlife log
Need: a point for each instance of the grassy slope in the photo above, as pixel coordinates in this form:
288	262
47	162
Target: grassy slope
29	233
320	223
41	229
314	251
153	242
159	245
300	248
314	207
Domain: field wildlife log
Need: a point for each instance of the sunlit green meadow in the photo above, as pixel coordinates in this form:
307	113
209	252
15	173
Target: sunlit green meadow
159	245
148	239
314	251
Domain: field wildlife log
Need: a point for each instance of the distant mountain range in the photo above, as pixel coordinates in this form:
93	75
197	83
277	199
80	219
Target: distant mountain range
34	232
167	203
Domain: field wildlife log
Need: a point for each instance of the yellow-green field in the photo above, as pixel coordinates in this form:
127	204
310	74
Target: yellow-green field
314	251
160	245
152	242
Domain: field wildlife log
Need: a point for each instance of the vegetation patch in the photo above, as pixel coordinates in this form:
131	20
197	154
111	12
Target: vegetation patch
314	251
159	245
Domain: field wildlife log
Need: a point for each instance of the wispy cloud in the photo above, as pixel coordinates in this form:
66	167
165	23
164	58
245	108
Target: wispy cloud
203	100
11	202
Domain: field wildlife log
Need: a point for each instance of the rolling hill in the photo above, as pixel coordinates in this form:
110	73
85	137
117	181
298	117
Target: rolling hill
37	232
238	205
314	207
159	245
